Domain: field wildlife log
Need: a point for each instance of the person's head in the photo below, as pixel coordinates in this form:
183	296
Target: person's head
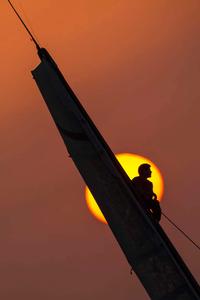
144	170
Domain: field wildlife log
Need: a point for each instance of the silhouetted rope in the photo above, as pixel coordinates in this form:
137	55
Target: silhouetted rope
27	29
170	221
179	229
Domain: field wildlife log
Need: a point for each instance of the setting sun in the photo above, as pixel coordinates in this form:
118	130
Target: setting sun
130	163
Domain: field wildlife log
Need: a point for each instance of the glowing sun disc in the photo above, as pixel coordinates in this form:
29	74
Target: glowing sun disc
130	163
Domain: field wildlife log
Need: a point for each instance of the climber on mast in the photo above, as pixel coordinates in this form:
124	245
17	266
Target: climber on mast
144	189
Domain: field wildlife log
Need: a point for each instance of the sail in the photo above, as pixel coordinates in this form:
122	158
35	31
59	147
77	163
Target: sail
145	245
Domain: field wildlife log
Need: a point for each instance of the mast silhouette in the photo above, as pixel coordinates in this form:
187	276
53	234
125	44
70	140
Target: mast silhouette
147	248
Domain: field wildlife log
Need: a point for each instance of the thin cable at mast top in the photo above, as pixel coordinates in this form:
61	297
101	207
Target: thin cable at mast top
29	32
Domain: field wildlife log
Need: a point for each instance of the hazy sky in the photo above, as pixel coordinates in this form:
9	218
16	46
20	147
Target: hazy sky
135	66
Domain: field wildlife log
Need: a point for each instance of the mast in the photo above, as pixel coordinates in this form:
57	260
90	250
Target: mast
147	248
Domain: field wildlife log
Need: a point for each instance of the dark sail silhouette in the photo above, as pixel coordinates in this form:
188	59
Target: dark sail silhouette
147	248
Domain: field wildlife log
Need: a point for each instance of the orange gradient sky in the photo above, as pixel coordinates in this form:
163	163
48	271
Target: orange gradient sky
135	67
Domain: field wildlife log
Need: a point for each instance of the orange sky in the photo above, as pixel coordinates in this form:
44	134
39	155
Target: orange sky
135	67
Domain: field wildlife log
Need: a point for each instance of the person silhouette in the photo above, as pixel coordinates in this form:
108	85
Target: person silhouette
144	190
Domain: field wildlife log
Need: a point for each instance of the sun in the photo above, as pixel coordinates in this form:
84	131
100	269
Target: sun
130	163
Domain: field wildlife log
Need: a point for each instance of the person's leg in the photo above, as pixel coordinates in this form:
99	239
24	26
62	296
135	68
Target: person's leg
155	210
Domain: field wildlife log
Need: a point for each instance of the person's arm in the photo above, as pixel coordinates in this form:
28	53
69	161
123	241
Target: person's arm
154	196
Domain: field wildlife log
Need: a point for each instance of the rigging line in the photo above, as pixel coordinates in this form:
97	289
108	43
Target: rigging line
25	17
29	32
170	221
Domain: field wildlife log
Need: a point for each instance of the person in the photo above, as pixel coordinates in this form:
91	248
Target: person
144	190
